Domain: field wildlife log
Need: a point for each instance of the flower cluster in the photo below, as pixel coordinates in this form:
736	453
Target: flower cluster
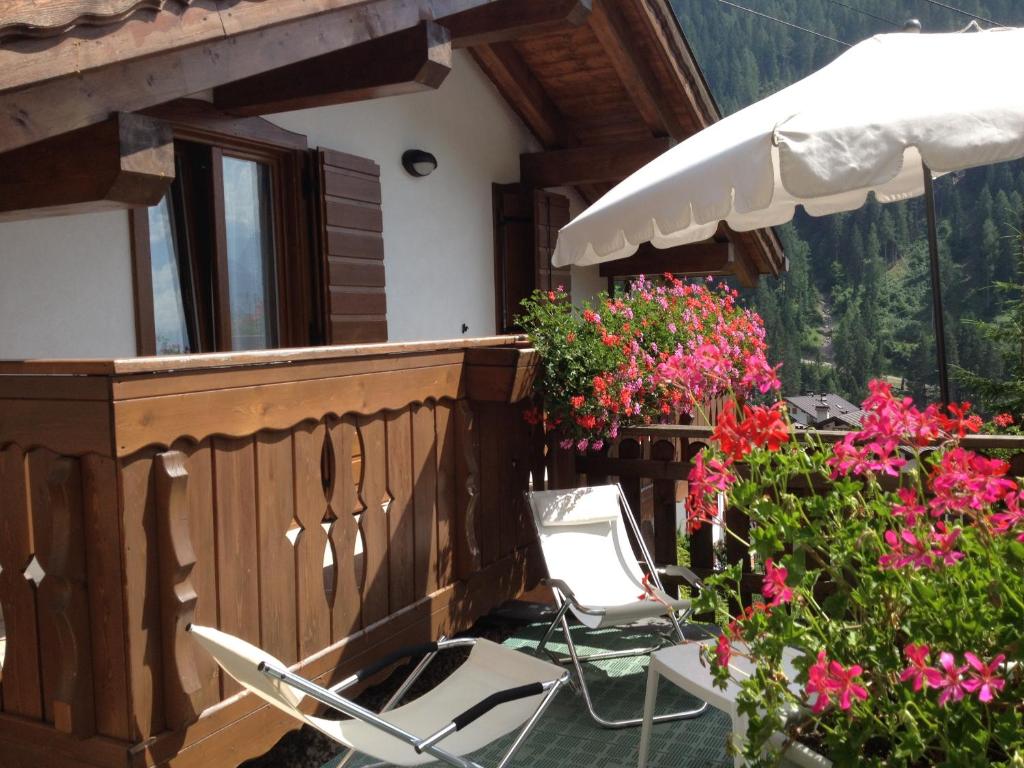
759	427
830	682
876	549
981	679
648	356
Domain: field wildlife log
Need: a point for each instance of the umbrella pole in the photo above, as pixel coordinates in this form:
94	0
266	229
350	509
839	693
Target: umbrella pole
933	257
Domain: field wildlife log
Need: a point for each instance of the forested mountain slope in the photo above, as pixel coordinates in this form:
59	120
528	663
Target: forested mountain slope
862	277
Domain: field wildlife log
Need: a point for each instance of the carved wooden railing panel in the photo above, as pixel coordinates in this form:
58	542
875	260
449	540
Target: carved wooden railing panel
182	685
313	610
346	612
275	509
326	509
20	684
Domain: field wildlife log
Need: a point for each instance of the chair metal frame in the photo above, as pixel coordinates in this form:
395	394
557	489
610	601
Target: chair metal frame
566	599
330	697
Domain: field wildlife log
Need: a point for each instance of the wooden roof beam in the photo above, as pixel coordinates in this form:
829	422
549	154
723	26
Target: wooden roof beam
245	40
414	59
515	20
589	165
124	162
707	258
612	31
524	93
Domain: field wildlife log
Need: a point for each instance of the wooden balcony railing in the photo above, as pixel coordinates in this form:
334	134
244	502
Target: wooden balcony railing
653	462
326	504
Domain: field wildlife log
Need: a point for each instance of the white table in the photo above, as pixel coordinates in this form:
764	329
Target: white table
682	665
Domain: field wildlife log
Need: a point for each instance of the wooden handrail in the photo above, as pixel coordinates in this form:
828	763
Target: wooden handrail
692	432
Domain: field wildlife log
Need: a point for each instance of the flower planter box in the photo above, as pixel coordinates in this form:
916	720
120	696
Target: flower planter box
501	374
800	756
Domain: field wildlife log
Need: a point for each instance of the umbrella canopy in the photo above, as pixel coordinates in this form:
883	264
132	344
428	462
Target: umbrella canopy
861	124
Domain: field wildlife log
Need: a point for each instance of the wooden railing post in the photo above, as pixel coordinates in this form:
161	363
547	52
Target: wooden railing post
63	593
182	687
467	472
663	548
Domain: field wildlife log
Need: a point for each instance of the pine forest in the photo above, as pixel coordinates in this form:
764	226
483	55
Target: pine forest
856	301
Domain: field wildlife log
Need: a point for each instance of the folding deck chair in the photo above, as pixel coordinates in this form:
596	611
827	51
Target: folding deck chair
494	692
594	573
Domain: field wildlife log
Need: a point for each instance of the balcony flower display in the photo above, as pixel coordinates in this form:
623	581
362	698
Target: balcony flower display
646	357
893	565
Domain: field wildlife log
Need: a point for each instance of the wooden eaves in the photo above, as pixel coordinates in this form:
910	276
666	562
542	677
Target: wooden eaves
604	85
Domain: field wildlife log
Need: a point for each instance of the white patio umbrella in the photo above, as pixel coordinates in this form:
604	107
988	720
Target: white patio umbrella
861	124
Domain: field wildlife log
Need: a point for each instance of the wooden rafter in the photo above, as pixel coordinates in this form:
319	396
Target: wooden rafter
126	161
588	165
524	93
514	20
184	54
611	30
414	59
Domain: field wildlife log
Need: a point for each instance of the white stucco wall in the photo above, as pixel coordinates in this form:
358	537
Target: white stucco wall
66	287
438	230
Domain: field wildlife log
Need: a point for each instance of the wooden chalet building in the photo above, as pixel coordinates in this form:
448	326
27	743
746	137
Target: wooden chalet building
219	287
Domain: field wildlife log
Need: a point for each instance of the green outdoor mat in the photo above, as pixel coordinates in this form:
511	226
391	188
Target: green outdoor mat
566	737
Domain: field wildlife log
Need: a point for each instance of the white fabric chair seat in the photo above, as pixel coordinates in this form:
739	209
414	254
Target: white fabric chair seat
596	576
627	613
490	668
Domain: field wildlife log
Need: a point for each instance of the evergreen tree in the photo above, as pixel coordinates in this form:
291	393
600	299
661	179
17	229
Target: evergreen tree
868	269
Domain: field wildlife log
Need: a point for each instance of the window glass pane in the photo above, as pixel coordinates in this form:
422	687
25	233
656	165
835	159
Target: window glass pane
172	337
250	251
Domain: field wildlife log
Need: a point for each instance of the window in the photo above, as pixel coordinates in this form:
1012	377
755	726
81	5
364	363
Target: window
213	254
259	241
213	257
249	235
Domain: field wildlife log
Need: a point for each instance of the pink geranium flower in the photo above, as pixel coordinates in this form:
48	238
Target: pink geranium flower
905	549
909	510
919	673
845	685
820	683
943	541
723	651
774	585
951	680
983	678
830	680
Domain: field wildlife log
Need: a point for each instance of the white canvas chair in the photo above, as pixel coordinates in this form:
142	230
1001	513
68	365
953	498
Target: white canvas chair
494	692
594	574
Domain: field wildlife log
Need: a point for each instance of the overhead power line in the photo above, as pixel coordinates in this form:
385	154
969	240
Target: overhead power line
964	13
861	11
787	23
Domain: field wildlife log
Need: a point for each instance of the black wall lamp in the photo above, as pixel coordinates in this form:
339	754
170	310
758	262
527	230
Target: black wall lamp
418	163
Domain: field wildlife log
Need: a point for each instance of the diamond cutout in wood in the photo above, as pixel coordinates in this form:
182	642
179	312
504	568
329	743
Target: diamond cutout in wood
294	531
34	572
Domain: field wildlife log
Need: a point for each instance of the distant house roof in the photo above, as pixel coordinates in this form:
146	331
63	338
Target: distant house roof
602	85
838	409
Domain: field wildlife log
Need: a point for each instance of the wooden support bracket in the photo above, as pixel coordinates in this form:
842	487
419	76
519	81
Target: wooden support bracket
414	59
123	162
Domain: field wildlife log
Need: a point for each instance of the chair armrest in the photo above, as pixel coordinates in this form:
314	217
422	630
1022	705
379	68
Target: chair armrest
561	586
480	709
403	653
682	572
569	595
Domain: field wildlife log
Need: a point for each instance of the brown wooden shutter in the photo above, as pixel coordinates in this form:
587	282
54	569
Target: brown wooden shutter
550	213
351	224
526	224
